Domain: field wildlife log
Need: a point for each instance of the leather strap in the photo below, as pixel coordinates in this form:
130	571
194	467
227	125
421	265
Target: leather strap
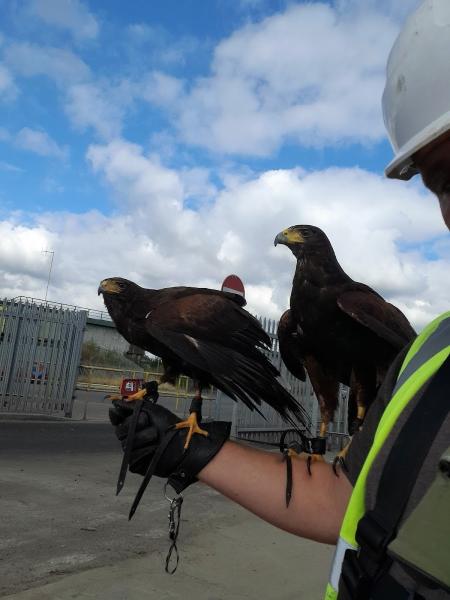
168	437
129	446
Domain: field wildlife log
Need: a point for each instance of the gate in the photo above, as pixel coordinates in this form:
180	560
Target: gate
40	346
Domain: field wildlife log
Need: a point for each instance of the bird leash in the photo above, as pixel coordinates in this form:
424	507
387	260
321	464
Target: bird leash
174	517
310	446
175	502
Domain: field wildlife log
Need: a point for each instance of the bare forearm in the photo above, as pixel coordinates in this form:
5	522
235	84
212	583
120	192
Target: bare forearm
257	481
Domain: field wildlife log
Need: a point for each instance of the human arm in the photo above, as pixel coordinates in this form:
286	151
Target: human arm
253	478
256	480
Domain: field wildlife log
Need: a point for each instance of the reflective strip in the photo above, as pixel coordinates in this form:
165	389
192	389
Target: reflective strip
330	593
410	380
336	568
438	339
356	506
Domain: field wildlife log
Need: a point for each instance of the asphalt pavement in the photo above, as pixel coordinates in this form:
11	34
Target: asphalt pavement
65	535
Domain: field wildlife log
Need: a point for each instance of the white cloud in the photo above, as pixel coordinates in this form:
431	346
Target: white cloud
236	231
39	142
61	65
142	184
382	231
261	300
231	251
158	45
70	15
23	269
312	75
6	166
89	102
140	31
90	105
197	186
8	89
161	89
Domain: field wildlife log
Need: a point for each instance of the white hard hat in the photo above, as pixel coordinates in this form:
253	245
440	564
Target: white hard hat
416	99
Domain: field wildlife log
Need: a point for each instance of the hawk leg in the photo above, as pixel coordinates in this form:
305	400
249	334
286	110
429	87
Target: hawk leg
316	456
339	459
192	422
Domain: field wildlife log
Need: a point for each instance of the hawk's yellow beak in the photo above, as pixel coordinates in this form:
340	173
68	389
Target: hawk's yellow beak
289	236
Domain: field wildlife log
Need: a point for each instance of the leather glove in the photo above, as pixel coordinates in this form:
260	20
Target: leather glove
178	465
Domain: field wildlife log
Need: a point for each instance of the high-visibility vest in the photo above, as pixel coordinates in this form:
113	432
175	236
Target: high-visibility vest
427	353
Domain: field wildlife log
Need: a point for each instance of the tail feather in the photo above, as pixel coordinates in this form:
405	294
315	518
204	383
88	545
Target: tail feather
255	381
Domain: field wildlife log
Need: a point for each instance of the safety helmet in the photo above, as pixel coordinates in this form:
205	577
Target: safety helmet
416	99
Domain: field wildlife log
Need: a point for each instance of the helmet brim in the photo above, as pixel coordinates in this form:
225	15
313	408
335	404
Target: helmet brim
402	166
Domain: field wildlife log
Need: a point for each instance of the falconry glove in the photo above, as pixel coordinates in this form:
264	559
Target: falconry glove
154	428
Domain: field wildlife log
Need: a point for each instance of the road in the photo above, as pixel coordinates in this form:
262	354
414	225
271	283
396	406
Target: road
54	440
57	489
63	528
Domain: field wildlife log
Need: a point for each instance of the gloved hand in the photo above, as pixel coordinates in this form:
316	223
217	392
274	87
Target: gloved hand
178	465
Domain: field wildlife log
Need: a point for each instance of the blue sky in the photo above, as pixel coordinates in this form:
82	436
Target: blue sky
175	37
165	123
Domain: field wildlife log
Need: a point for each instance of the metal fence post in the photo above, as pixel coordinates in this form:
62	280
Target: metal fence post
85	409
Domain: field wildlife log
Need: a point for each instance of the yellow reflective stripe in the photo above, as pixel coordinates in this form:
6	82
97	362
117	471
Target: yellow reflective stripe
356	506
409	388
422	338
330	593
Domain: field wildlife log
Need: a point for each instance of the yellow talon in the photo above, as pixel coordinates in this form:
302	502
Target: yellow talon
343	453
305	456
292	453
113	397
361	413
323	429
316	458
339	459
190	423
136	396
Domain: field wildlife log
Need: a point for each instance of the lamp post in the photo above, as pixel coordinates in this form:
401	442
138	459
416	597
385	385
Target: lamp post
52	254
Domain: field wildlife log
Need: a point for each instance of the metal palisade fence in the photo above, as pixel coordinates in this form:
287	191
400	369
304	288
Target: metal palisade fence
40	346
268	426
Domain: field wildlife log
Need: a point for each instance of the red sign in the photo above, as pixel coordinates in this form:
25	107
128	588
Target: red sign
233	285
130	386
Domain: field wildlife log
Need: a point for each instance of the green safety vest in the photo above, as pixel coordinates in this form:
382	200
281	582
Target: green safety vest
427	353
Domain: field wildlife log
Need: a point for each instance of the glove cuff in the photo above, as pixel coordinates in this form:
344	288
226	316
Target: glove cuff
201	451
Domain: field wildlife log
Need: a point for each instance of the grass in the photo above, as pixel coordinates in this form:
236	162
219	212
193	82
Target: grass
106	368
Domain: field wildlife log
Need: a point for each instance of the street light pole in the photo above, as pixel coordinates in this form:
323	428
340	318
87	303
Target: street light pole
52	254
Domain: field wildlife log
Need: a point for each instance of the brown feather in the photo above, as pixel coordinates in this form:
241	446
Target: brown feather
347	327
206	335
